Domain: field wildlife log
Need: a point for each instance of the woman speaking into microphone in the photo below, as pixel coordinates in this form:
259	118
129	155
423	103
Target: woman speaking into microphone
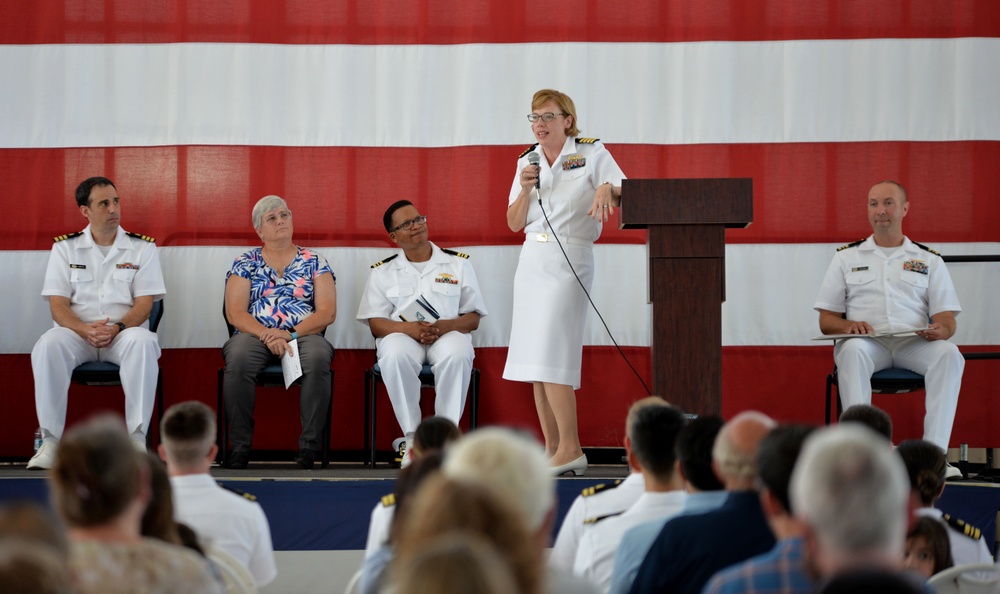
561	202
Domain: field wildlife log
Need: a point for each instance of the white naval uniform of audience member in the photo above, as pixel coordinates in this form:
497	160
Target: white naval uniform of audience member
595	557
229	521
593	502
965	548
448	282
379	524
895	289
101	282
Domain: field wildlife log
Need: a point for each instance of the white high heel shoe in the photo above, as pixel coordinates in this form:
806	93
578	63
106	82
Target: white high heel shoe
577	467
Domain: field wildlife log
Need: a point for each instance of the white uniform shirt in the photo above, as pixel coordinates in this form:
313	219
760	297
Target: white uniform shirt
229	521
602	503
100	286
964	549
893	292
378	526
447	282
567	189
595	558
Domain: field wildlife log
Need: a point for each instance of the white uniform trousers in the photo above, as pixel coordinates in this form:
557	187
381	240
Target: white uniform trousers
400	359
939	361
60	350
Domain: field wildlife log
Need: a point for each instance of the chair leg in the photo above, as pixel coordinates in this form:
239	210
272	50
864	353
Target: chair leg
474	400
372	385
829	389
222	429
327	424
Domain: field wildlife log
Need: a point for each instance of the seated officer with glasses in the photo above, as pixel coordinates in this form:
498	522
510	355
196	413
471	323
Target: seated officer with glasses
421	304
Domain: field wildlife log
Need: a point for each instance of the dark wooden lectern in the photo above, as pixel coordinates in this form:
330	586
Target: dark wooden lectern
686	219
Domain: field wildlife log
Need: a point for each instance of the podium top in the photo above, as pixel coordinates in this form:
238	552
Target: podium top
706	201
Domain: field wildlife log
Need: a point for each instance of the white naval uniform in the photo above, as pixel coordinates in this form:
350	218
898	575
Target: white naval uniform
550	309
98	287
592	503
895	291
964	549
595	557
229	521
379	525
449	284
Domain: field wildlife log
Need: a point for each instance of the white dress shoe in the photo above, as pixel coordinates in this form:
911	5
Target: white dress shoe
44	458
577	467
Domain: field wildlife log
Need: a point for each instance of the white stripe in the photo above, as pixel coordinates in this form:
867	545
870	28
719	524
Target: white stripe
770	290
457	95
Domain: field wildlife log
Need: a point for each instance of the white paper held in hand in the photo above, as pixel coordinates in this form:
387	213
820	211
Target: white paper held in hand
420	311
291	367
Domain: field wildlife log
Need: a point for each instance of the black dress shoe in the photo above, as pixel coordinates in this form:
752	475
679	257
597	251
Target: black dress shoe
238	460
305	458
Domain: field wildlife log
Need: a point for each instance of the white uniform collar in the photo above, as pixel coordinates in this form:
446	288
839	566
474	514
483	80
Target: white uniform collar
437	257
908	246
193	480
121	240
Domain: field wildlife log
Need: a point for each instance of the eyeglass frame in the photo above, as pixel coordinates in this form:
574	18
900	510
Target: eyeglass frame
534	117
407	225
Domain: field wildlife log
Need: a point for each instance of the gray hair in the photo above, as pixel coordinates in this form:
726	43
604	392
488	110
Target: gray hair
510	464
852	491
266	204
735	449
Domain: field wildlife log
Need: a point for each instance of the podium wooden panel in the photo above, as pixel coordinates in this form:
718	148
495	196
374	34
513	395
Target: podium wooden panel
686	220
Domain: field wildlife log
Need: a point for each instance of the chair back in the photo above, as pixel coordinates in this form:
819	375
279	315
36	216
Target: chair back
155	314
974	578
354	584
237	577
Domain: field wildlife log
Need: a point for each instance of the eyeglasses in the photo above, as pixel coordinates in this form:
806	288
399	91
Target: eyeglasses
545	117
407	225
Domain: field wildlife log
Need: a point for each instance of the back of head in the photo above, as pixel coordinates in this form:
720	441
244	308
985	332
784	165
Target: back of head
852	492
96	473
188	433
776	459
926	467
694	450
28	567
735	449
934	533
870	416
158	519
511	465
407	483
459	563
30	521
445	505
652	432
435	433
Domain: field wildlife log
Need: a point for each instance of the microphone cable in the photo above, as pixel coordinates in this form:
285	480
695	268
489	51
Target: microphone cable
587	293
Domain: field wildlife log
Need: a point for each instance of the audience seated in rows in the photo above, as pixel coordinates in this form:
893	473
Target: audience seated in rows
927	548
33	551
870	416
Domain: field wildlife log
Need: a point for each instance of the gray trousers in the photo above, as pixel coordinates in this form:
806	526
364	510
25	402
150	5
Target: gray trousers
245	356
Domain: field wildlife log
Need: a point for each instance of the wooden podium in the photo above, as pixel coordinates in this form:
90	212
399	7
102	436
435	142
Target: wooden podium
686	219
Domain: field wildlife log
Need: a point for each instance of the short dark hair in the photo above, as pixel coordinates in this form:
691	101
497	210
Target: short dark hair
434	433
926	467
776	457
936	535
407	483
188	432
694	450
387	217
653	434
85	187
870	416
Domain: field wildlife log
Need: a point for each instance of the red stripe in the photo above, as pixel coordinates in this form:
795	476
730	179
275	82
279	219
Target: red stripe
393	23
195	195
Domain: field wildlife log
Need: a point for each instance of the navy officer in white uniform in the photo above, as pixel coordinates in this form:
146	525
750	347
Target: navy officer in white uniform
887	283
447	281
100	284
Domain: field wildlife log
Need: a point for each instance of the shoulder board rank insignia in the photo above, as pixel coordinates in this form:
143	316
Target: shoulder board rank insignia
963	527
140	236
527	150
243	494
925	248
381	262
454	253
598	488
59	238
850	245
389	500
592	521
586	140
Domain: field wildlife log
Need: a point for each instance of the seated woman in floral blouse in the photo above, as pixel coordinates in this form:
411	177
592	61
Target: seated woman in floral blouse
275	294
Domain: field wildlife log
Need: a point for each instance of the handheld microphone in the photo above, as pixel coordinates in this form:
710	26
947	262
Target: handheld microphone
534	159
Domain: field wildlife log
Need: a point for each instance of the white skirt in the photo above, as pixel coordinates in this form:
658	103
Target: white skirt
550	309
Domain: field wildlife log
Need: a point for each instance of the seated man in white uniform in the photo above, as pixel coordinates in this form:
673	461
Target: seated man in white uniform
100	284
226	519
887	283
421	304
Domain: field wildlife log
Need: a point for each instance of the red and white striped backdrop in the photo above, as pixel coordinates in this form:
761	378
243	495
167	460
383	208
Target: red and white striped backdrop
196	109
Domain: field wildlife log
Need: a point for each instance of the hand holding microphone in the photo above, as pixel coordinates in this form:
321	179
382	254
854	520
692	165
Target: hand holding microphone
534	159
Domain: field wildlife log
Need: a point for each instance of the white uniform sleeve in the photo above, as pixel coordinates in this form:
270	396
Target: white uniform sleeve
57	274
262	564
833	291
378	528
606	169
148	279
374	302
941	295
472	297
568	540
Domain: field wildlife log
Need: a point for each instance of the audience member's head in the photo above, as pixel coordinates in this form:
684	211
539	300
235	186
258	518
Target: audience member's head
651	437
512	465
734	455
97	476
870	416
872	580
458	563
851	492
928	549
776	458
188	434
694	450
30	567
409	480
448	505
434	434
926	467
27	520
158	519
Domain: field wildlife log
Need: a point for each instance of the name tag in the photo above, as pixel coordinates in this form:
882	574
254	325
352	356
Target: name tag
859	268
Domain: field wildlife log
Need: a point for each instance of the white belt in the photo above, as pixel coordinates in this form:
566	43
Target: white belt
547	237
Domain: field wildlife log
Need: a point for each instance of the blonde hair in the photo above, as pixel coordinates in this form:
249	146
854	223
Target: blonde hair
563	101
459	563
